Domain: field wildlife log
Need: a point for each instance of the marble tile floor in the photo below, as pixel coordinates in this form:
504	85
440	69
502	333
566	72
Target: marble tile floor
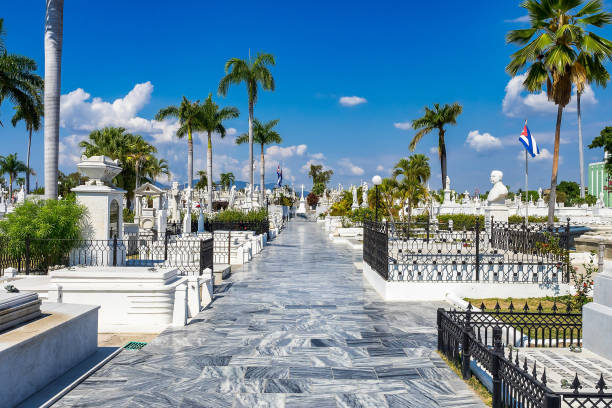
297	327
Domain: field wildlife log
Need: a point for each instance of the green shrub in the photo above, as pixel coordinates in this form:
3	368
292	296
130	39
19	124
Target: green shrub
52	226
128	215
519	219
461	221
239	216
360	214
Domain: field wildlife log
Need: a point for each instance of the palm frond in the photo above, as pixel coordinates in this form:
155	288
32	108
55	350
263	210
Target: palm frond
520	36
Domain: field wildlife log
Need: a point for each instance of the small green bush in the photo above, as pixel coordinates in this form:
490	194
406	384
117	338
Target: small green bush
519	219
128	215
461	221
239	216
54	227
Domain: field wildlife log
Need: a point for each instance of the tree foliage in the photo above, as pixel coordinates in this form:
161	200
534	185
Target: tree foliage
318	175
128	148
604	140
52	226
557	50
436	119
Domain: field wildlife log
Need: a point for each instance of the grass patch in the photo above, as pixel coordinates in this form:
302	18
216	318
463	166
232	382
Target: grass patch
550	328
474	383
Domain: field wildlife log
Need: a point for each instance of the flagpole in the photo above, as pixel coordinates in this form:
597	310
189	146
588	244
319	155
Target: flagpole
526	185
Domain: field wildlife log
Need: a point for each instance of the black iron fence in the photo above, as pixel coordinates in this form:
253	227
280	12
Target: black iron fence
375	247
435	252
259	227
191	255
514	384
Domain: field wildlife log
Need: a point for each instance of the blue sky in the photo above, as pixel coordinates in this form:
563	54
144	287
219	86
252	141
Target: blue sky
123	61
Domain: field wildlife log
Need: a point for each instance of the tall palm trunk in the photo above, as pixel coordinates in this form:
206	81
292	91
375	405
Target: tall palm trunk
53	63
251	178
262	168
189	160
555	167
580	151
210	174
11	187
442	148
27	180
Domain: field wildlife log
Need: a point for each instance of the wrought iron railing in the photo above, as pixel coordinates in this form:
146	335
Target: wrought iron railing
433	252
514	385
190	255
376	247
259	227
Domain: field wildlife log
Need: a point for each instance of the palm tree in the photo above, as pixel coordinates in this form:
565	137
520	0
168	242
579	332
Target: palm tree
140	153
54	27
586	70
116	143
436	118
252	73
263	134
12	166
31	113
154	167
414	173
2	46
187	114
227	179
211	119
552	45
18	81
203	182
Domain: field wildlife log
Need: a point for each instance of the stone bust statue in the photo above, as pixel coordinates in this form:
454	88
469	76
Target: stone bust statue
497	195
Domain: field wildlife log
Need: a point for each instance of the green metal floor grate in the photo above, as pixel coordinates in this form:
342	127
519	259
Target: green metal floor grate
134	345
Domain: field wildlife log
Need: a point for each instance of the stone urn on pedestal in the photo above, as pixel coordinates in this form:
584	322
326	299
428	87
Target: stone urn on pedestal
103	234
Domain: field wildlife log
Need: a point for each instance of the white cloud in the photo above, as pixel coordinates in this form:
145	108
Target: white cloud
380	168
482	141
433	151
352	100
350	167
521	19
318	156
544	155
515	104
79	112
278	152
403	125
69	150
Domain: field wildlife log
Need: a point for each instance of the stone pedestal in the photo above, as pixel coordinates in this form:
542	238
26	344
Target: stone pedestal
597	317
497	213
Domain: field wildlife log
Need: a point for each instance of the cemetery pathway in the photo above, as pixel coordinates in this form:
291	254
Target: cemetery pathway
297	327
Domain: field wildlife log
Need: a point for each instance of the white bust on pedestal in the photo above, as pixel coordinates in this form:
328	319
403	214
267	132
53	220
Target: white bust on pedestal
496	208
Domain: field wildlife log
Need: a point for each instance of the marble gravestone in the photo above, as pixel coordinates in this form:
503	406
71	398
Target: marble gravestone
17	308
597	316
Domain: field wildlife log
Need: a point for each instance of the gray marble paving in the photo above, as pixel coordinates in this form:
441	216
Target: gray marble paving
297	327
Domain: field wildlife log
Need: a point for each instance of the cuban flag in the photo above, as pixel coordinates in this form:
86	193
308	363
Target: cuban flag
529	142
279	175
